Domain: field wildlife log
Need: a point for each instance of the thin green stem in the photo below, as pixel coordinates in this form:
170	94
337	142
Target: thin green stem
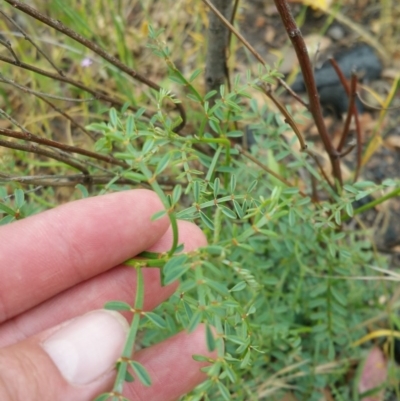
373	203
213	164
151	262
158	190
130	341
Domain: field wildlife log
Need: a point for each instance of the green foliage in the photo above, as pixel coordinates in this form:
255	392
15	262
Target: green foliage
276	280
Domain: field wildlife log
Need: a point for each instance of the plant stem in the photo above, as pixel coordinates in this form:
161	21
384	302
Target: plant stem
130	341
375	202
300	47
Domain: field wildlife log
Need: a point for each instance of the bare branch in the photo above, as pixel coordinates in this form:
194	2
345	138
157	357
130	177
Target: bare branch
28	136
288	118
266	168
68	117
252	50
41	94
77	84
59	26
8	46
300	47
28	38
352	111
32	148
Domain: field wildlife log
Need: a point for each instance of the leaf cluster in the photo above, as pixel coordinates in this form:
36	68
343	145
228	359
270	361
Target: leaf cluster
278	279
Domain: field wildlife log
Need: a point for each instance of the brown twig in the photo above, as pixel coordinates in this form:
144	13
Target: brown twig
28	38
60	181
350	91
28	191
265	168
33	92
8	46
252	50
321	168
300	47
314	190
15	122
59	26
73	179
77	84
348	150
68	117
32	148
28	136
288	118
352	111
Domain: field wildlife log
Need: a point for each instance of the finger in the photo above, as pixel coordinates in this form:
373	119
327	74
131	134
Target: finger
76	362
171	367
72	362
45	254
116	284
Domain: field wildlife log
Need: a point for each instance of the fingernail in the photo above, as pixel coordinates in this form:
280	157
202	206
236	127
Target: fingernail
89	346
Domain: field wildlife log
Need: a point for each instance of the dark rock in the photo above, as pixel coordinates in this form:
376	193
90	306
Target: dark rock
333	98
361	59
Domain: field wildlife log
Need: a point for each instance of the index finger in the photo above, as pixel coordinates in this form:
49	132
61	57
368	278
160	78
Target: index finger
45	254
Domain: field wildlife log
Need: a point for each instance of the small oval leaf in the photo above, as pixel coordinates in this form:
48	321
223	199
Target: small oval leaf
157	320
141	373
117	305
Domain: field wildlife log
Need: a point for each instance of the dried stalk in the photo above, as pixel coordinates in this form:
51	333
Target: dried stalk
68	117
300	47
252	50
59	26
74	179
28	38
97	95
265	168
7	45
352	111
64	180
32	148
28	136
42	94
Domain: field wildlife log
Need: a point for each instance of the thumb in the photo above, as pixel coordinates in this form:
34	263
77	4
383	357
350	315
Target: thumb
73	361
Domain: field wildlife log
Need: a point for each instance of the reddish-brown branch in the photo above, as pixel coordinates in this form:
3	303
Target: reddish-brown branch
66	148
32	148
348	150
352	111
300	47
73	179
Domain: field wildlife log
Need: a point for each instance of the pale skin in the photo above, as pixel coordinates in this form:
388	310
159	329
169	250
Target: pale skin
65	262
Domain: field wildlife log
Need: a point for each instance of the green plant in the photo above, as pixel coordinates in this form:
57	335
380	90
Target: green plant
278	278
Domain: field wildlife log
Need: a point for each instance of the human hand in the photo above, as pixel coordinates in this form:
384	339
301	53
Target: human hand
65	264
